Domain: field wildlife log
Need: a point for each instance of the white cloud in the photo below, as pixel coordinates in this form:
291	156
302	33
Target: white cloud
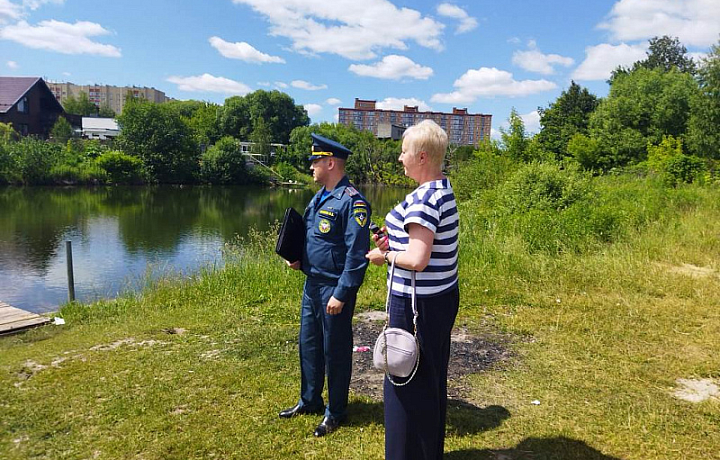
531	121
352	29
35	4
495	134
302	84
264	83
243	51
313	109
61	37
67	74
392	67
694	22
698	57
467	22
281	85
534	60
602	59
9	11
394	103
490	82
333	101
12	65
210	83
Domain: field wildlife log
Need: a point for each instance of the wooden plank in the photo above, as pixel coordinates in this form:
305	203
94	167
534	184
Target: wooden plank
13	319
20	325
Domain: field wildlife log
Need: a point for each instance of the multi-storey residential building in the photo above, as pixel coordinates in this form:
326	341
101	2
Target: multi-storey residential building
463	128
106	95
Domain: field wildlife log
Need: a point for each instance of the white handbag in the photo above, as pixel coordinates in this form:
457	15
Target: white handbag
397	352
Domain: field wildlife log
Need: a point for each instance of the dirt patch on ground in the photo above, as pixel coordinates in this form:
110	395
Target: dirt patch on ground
692	271
697	390
471	352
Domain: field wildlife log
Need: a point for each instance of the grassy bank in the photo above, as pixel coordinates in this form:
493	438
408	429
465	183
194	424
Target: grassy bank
616	298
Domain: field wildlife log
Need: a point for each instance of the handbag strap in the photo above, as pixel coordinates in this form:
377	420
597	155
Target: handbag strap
413	300
387	323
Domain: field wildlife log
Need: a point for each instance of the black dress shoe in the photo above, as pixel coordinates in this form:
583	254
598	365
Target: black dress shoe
299	410
327	426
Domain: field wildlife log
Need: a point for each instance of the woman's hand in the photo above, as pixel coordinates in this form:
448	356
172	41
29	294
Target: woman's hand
381	239
376	256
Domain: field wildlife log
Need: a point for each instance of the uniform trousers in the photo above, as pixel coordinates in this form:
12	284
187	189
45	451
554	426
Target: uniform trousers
326	343
415	414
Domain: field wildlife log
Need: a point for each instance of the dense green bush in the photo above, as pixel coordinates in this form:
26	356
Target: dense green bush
34	159
486	170
668	161
542	186
121	168
223	163
286	170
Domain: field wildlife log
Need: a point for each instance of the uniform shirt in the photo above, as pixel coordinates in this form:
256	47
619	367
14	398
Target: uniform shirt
337	237
431	205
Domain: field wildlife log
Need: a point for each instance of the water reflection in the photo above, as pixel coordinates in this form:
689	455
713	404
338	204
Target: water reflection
120	232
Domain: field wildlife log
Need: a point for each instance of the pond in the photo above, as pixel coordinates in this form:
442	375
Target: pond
122	235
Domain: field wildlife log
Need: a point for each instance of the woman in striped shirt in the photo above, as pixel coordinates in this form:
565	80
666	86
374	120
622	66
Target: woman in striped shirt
422	237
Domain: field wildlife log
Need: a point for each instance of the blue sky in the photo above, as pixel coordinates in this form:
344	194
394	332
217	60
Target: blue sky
488	56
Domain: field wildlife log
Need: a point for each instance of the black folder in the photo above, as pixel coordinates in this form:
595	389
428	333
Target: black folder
291	237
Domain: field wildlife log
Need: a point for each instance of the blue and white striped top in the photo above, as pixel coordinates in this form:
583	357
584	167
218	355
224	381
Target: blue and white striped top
431	205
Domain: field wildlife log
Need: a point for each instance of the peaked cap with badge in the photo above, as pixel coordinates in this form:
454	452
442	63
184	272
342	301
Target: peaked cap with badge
322	147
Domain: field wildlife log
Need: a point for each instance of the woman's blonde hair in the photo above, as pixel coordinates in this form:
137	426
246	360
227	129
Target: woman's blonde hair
427	136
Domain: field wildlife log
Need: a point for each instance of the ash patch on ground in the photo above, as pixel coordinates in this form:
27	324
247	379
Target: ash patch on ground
471	352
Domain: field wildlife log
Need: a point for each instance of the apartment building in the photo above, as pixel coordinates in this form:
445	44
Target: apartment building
463	128
101	95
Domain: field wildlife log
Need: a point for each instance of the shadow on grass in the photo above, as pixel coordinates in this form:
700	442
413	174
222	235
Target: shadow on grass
559	448
463	417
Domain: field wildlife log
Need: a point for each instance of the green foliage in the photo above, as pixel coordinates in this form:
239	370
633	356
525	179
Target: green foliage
34	158
665	53
81	105
160	137
542	186
106	112
567	116
585	151
484	171
286	171
238	116
61	131
514	140
704	125
642	106
223	163
672	165
261	137
7	133
121	168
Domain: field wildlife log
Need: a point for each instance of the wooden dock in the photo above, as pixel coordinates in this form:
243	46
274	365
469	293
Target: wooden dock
14	319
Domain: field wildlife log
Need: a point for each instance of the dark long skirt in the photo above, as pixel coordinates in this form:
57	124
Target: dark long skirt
415	413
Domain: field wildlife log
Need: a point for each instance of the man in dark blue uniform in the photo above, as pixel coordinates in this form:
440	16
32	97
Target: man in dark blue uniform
336	240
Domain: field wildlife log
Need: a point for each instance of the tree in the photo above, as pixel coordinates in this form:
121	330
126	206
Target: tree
261	138
278	110
81	106
106	112
223	163
7	133
704	126
665	53
642	107
157	134
61	131
514	140
567	116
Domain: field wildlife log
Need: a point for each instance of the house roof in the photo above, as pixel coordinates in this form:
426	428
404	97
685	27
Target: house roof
96	123
12	89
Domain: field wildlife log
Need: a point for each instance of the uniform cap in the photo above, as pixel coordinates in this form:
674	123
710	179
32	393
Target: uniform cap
323	147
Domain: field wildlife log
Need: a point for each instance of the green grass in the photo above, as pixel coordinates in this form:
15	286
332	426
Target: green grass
602	332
